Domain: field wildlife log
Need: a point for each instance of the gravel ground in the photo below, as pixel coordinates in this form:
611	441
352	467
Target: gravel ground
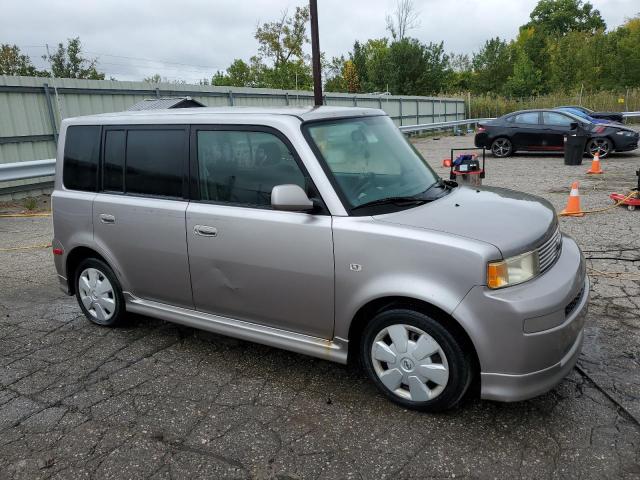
155	400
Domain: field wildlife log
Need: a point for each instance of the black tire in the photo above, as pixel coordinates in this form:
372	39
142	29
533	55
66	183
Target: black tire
455	359
502	147
117	313
602	145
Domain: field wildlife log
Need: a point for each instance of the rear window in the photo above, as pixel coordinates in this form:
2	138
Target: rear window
81	154
155	162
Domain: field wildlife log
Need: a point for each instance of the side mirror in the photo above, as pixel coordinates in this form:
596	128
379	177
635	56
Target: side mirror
573	125
290	198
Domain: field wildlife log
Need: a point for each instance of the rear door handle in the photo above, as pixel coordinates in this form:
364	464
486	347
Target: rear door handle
106	218
205	231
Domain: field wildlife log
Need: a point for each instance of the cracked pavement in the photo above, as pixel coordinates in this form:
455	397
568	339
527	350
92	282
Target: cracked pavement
161	401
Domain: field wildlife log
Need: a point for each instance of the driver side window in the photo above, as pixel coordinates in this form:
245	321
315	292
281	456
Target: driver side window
241	168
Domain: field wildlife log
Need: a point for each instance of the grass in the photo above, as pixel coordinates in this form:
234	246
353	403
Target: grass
30	203
485	106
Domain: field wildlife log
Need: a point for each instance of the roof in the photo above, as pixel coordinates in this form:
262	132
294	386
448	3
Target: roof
303	113
165	103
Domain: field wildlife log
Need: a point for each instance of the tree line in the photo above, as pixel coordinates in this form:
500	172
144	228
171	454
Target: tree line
66	61
564	47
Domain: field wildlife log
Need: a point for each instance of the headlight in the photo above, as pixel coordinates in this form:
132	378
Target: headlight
513	270
625	133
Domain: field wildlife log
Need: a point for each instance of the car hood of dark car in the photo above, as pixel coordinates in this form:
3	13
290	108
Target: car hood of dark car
618	126
514	222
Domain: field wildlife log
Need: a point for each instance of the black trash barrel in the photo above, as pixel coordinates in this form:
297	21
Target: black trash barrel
574	148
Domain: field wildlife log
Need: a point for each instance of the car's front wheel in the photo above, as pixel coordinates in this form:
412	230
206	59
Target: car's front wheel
415	361
502	147
600	145
99	293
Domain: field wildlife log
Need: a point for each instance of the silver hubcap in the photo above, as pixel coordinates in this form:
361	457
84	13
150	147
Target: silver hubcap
96	294
501	147
599	146
410	363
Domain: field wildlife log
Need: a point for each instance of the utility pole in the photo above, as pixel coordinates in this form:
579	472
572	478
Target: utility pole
315	53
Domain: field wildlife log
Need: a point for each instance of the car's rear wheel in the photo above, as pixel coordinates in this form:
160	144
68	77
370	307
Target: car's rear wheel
415	361
99	293
502	147
600	145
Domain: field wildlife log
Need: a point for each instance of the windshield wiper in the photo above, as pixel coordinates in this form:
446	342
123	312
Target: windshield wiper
441	183
400	201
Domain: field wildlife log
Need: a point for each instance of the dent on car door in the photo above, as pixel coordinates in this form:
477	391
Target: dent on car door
139	212
248	261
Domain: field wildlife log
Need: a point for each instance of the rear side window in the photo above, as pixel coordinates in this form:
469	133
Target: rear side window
155	162
81	154
556	119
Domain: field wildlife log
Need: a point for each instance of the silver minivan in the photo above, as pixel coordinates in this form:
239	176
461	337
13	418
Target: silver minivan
320	231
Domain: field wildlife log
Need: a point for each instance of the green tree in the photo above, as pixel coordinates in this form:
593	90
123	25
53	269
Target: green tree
525	79
69	62
371	64
492	66
558	17
461	73
281	61
622	68
332	74
239	74
155	78
437	69
284	39
13	62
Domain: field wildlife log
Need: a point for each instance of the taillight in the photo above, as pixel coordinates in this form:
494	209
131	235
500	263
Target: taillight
58	251
480	129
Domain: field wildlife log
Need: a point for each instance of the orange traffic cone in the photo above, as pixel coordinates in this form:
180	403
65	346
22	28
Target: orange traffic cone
446	162
573	205
595	165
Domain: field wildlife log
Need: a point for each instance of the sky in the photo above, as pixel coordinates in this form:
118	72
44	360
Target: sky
191	39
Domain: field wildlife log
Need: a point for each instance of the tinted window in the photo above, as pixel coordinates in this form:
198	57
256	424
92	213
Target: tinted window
530	118
243	167
556	119
155	162
81	153
113	173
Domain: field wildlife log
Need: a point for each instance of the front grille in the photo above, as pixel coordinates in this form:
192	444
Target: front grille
568	310
549	251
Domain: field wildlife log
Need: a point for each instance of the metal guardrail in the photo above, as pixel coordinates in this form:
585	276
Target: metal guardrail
26	170
45	168
440	125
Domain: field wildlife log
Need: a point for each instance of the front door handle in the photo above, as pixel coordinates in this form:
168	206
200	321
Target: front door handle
106	218
205	231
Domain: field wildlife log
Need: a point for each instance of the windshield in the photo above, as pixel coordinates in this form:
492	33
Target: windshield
370	159
577	118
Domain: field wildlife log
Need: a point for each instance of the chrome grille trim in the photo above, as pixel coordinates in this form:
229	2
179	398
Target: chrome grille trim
549	251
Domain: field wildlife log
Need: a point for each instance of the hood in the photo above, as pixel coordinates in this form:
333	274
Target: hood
514	222
619	126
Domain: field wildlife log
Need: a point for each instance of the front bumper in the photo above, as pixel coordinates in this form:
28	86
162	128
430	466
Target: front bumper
623	143
528	336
